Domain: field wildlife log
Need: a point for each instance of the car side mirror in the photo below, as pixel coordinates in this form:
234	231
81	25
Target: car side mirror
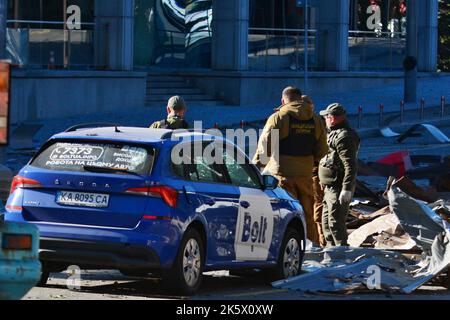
270	182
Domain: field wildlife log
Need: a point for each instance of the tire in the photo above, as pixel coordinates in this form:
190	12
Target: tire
43	279
185	276
290	258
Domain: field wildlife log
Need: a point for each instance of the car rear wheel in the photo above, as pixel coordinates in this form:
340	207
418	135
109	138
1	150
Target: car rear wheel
185	277
291	256
43	279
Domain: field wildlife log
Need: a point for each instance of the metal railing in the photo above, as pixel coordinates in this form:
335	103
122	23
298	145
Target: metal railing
273	49
40	44
376	50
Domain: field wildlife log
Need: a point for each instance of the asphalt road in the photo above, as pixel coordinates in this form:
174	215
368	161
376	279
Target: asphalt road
111	285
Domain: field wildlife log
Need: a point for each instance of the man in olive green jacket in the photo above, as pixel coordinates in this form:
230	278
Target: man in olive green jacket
292	140
176	110
337	173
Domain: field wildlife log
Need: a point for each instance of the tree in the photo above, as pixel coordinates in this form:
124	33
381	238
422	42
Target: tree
444	35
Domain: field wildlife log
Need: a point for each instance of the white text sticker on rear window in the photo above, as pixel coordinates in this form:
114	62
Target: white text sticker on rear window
76	152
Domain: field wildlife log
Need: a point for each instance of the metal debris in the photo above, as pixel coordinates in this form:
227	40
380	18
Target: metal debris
342	269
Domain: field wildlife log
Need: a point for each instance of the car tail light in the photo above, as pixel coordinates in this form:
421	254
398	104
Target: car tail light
168	194
17	242
21	182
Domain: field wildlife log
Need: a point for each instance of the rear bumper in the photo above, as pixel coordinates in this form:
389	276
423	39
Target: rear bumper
97	255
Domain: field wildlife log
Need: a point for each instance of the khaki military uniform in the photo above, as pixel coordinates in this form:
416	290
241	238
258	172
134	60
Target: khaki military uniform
301	139
172	123
337	172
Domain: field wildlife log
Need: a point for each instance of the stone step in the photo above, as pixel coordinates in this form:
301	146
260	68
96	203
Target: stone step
205	103
164	78
187	97
168	84
173	91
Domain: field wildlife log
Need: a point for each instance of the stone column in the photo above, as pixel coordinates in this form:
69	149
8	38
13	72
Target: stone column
230	35
114	29
427	40
332	34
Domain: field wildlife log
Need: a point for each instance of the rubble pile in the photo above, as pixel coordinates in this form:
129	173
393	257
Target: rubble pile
399	237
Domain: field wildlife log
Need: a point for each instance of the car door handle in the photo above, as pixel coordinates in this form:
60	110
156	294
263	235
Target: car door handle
245	204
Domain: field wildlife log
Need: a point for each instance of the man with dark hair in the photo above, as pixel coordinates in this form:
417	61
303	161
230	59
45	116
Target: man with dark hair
176	110
337	173
301	142
291	94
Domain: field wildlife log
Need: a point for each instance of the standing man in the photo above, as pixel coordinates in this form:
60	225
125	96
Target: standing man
337	173
176	110
301	141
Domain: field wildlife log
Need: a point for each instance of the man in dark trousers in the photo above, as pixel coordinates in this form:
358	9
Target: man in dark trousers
337	173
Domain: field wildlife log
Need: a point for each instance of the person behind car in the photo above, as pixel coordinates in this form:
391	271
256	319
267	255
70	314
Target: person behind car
302	141
337	173
176	110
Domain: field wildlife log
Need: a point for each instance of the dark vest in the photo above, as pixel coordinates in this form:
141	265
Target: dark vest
301	139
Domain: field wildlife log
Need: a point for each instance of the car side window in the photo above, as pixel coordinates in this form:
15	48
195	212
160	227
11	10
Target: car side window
195	168
240	173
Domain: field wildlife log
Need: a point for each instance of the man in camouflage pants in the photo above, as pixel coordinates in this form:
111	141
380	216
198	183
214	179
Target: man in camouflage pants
337	173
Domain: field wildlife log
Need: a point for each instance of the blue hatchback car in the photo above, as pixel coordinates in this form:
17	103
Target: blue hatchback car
118	198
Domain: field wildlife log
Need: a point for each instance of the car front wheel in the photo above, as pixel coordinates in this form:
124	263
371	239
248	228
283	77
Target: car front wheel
185	277
291	256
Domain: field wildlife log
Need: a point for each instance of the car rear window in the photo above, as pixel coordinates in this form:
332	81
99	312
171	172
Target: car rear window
70	156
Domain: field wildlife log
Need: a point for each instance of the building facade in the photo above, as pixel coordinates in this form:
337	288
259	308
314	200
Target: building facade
257	46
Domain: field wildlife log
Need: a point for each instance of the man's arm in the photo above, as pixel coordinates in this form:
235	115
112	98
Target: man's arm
321	147
264	150
348	153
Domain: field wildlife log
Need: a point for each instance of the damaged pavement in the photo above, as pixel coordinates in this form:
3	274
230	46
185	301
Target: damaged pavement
399	240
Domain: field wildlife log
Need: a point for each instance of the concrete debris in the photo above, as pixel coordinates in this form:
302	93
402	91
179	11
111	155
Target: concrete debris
411	223
386	233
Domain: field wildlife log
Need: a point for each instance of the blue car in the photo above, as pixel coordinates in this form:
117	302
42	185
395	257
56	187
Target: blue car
152	201
20	269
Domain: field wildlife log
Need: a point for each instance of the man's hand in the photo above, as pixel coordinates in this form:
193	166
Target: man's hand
345	197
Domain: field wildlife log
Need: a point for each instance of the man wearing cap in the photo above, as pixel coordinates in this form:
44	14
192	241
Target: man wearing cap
176	110
301	141
337	173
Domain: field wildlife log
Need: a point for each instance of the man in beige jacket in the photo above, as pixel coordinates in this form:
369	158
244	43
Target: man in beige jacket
302	141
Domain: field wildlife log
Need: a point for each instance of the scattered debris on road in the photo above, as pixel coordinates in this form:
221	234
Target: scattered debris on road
376	260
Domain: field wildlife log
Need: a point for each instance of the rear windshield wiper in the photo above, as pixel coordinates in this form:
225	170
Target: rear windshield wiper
108	170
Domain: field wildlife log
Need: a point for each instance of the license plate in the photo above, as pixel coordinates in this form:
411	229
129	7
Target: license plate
82	199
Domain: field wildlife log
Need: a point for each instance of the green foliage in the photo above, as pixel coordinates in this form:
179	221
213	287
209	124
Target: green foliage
444	36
